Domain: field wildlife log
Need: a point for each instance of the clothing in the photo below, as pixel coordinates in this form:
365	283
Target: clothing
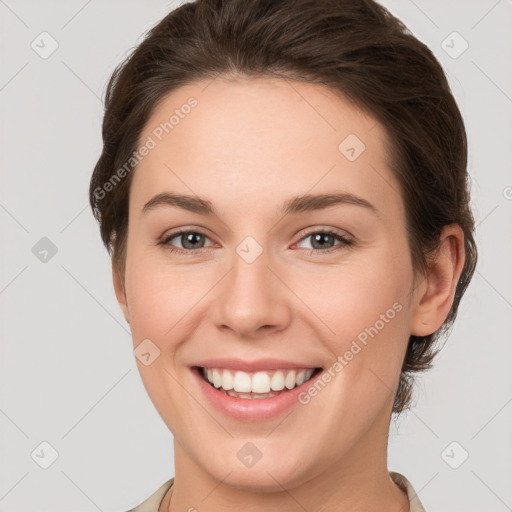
152	504
402	482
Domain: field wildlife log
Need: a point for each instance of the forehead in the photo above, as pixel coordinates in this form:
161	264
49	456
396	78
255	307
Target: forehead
239	140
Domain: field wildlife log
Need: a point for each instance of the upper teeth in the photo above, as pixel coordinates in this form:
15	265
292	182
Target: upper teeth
259	382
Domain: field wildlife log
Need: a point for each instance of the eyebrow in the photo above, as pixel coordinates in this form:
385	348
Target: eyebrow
300	204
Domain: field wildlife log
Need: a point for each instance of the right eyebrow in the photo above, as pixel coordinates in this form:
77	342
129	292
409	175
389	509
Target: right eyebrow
190	203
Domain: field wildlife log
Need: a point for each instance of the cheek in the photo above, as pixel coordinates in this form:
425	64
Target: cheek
365	307
366	310
355	296
159	299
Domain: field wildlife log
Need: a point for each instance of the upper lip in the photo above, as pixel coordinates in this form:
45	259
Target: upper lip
251	366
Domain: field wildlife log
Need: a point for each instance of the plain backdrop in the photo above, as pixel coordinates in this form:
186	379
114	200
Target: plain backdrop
70	393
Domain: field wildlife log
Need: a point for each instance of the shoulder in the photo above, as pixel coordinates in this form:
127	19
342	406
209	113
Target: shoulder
152	503
404	484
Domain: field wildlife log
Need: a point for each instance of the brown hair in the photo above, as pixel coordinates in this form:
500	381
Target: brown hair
355	47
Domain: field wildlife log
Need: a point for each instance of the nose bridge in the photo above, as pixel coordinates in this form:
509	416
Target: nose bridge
251	295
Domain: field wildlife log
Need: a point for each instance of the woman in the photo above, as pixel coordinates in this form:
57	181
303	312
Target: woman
314	154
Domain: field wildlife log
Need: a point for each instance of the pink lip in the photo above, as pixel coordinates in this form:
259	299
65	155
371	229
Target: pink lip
251	366
251	409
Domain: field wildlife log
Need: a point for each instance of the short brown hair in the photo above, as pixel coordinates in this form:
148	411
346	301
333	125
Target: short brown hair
355	47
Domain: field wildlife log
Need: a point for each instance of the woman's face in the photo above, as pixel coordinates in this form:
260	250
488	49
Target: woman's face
258	282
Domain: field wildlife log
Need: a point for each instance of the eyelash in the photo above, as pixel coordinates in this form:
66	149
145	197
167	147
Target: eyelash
345	242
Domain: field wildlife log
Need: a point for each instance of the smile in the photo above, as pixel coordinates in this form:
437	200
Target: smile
254	385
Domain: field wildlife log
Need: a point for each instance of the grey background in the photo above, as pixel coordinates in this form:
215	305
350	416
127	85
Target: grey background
67	372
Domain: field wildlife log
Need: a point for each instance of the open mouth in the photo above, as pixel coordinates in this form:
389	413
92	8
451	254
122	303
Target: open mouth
264	384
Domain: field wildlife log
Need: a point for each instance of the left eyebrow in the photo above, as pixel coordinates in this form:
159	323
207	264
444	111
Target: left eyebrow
300	204
311	202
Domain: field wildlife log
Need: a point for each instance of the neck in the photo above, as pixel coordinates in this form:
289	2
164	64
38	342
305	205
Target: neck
359	481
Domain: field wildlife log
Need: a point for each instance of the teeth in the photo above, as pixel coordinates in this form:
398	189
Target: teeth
289	381
217	379
227	381
242	382
277	382
259	382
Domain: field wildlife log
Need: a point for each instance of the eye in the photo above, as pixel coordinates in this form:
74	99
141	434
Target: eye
321	241
191	241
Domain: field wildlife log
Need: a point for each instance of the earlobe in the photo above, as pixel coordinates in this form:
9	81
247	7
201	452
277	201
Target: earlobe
434	298
119	289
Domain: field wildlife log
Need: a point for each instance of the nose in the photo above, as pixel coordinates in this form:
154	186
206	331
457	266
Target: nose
253	299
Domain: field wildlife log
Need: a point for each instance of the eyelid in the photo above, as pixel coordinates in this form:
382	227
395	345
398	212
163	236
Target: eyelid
325	229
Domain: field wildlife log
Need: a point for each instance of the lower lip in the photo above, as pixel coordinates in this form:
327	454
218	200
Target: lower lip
252	409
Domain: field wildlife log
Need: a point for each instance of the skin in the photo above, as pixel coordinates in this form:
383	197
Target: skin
249	145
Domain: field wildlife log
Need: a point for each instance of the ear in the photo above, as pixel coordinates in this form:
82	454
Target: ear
119	289
434	297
